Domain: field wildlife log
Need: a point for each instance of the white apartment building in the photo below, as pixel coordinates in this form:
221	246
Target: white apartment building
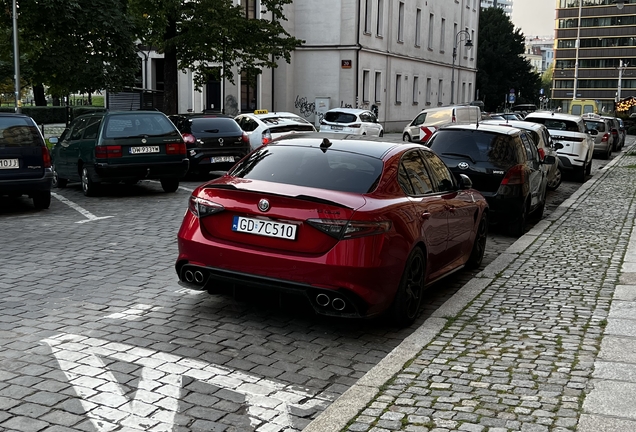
392	55
506	5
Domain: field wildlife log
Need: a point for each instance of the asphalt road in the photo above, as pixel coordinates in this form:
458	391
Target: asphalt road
96	334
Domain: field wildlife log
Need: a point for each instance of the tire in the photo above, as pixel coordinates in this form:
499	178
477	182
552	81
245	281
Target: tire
89	187
608	154
537	214
588	168
517	227
406	137
57	181
579	174
556	181
408	298
131	182
170	184
479	246
42	200
381	134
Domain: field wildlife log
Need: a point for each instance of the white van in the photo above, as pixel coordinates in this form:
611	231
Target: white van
425	123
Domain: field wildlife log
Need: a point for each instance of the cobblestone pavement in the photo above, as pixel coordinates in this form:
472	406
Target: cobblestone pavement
96	335
520	355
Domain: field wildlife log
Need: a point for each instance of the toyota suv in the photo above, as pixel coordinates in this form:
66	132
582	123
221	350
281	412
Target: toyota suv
503	164
578	142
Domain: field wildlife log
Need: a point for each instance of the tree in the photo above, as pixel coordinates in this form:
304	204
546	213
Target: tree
500	65
203	34
72	46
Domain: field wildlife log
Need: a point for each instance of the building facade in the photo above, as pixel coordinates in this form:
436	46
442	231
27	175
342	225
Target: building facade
506	5
391	55
594	41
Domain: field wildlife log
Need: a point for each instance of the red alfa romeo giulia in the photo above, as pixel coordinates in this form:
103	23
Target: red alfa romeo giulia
359	227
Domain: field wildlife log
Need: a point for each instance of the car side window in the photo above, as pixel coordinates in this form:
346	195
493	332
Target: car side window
443	178
419	119
531	149
92	128
78	129
249	125
414	175
365	118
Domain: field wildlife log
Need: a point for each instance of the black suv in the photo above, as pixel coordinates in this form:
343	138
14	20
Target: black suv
25	162
119	146
213	141
503	164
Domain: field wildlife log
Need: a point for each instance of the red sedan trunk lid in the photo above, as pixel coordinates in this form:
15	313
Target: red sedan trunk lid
280	224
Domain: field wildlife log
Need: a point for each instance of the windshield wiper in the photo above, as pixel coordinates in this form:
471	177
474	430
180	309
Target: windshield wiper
460	155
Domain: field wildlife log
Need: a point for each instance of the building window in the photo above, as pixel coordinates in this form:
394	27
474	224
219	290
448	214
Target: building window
463	92
378	87
400	34
365	86
442	36
416	90
465	47
428	90
418	27
472	39
440	92
248	92
380	21
249	7
431	26
367	16
470	91
398	89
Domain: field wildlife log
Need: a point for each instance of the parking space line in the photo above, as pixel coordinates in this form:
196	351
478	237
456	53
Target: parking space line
88	215
271	405
180	187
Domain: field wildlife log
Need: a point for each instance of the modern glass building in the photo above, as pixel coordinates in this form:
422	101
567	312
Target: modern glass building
506	5
595	52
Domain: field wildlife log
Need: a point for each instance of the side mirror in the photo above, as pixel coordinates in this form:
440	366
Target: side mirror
465	182
558	146
53	140
549	160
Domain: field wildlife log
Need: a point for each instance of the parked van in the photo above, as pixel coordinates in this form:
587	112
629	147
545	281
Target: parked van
584	106
424	124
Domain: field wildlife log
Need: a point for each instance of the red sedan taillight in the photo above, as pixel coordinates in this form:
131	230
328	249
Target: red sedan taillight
176	148
605	137
355	125
267	137
201	207
46	157
104	152
515	176
343	229
189	138
245	138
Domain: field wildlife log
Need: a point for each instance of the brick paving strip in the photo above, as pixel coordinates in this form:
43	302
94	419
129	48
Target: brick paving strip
543	339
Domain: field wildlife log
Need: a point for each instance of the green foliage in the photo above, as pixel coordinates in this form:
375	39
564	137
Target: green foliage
42	115
199	33
500	63
631	130
71	45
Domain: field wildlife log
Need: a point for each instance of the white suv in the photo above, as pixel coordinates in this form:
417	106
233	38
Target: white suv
351	121
570	131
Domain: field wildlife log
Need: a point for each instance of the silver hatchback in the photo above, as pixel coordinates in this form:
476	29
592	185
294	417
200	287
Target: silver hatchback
604	140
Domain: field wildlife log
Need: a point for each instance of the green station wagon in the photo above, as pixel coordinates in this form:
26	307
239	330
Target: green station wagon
119	146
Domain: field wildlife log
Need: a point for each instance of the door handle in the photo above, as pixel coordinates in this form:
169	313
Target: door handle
426	215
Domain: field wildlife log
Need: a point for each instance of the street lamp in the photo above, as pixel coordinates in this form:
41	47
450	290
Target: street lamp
620	4
461	35
16	59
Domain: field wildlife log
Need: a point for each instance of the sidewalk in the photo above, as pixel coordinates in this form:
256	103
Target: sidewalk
543	339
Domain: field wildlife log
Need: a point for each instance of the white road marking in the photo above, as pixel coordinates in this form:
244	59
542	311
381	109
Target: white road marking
134	313
189	291
157	397
180	187
88	215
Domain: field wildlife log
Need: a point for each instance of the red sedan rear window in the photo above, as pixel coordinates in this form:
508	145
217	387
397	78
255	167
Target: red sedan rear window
313	167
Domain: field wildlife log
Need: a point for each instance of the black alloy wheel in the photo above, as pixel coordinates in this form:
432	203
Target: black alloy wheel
89	187
407	301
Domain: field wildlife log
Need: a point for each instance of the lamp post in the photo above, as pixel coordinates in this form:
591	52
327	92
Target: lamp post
461	35
16	59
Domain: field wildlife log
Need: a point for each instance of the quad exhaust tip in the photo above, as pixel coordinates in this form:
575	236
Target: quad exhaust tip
323	300
338	304
189	276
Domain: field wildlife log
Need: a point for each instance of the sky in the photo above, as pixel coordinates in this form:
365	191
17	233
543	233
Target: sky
534	17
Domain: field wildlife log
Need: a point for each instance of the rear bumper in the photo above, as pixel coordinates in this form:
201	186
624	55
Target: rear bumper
366	283
570	163
26	186
109	172
504	208
201	157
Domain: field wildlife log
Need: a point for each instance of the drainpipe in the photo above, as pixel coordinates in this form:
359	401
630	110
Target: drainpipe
358	51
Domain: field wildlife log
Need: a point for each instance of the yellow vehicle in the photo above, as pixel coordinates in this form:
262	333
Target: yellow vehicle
584	106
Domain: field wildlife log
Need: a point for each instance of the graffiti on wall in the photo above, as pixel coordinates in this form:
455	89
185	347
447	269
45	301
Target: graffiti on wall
305	107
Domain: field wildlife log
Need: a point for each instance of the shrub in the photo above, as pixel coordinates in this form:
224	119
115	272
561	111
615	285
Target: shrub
631	130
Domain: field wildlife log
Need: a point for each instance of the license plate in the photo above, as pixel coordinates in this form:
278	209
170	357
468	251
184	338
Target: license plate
217	159
144	149
264	228
336	127
9	164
